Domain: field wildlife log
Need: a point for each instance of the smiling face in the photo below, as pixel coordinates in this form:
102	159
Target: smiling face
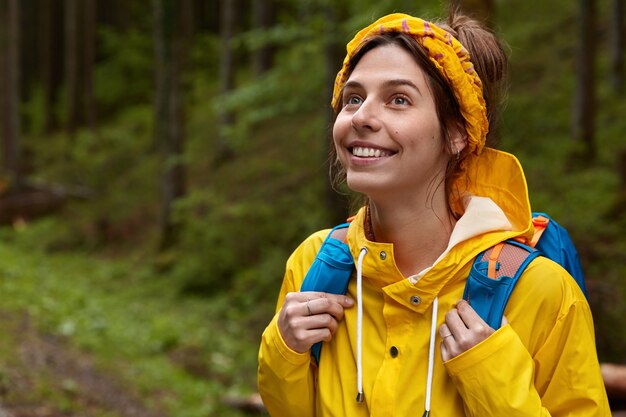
387	134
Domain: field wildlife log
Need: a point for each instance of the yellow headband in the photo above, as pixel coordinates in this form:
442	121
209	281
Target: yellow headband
449	57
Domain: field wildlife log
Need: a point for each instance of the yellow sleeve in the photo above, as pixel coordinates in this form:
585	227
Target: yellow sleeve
286	379
544	363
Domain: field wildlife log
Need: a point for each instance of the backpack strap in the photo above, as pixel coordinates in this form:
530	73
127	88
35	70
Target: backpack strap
540	224
493	277
330	271
493	260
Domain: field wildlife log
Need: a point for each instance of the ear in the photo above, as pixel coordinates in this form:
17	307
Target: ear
457	136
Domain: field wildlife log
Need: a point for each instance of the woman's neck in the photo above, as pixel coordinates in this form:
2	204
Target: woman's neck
419	232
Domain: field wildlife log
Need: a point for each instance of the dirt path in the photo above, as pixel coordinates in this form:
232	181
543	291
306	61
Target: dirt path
41	376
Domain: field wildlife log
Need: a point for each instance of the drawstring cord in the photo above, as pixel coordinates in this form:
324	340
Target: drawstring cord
359	339
359	326
431	358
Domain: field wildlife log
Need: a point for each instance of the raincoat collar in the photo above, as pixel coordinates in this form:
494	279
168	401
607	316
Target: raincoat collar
495	175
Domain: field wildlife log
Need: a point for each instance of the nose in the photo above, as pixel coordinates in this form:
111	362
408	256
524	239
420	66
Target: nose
366	117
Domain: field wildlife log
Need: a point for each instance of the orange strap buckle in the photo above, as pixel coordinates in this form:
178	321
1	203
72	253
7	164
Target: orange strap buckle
540	223
493	260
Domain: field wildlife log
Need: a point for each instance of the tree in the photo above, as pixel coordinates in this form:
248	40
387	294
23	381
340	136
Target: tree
263	15
228	10
170	50
10	95
47	40
71	65
617	45
334	51
89	58
584	104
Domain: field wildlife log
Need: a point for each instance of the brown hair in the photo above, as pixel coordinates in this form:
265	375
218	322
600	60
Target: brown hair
490	62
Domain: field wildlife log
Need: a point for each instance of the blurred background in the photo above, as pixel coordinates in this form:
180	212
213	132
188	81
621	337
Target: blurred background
161	159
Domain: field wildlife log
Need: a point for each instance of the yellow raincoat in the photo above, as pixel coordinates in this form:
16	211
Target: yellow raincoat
543	363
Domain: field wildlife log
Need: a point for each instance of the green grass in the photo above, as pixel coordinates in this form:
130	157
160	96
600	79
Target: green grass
177	354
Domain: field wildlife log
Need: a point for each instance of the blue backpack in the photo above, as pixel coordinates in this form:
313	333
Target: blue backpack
492	277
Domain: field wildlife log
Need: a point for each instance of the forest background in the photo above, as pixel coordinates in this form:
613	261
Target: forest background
161	160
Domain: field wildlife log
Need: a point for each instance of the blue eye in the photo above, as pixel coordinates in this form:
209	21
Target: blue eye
400	101
354	100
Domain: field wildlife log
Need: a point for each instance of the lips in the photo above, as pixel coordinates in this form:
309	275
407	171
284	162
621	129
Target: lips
366	152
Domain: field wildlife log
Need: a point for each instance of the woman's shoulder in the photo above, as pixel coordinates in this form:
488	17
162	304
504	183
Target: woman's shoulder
305	253
544	296
544	278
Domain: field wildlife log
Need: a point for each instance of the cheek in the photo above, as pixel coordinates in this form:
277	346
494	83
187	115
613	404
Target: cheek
341	129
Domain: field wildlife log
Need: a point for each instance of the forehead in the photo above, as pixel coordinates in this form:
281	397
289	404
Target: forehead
388	62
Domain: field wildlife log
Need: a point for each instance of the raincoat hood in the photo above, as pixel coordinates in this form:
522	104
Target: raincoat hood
497	177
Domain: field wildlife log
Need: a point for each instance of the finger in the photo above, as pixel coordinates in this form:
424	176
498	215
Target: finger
324	305
320	335
448	344
322	321
445	354
302	296
454	322
504	321
470	317
444	331
303	339
301	332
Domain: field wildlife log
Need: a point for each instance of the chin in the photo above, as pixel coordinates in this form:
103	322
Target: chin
365	186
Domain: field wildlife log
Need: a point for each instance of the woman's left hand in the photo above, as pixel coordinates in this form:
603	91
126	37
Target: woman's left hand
462	330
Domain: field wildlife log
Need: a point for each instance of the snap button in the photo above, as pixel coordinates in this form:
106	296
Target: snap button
393	351
383	255
415	300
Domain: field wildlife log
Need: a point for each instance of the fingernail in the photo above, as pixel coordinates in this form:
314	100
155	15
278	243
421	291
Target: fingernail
349	301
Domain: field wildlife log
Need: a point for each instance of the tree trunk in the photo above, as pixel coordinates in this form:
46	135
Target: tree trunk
334	52
10	25
169	132
617	46
45	62
263	14
227	77
584	104
89	58
71	65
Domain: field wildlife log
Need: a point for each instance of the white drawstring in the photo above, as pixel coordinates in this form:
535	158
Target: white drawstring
359	339
359	326
431	358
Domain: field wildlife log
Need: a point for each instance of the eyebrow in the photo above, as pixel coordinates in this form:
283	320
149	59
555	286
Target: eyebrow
386	84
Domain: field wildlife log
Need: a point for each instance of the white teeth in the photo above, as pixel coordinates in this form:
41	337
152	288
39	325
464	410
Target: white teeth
368	152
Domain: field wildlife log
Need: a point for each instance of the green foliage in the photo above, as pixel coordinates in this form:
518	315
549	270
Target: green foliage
111	175
124	74
252	209
182	327
33	111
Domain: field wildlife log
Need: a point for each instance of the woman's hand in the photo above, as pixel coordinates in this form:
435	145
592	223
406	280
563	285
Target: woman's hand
310	317
462	330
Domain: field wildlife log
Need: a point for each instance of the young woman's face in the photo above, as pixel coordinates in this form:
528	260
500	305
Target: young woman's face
387	134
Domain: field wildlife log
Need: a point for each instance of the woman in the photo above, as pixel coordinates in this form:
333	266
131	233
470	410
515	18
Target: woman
413	108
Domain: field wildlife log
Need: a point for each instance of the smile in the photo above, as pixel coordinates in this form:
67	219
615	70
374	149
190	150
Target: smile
364	152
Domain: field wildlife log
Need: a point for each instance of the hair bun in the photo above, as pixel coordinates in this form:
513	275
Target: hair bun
487	55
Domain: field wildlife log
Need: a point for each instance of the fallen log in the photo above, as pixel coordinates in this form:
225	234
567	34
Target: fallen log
33	200
614	376
251	404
